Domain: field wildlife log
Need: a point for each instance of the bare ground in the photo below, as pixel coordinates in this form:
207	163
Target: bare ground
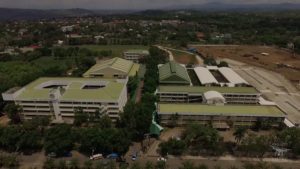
289	63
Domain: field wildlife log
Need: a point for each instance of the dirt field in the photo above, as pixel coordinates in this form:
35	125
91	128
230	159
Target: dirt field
275	59
184	58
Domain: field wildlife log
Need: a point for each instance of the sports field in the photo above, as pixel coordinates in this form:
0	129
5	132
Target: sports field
117	50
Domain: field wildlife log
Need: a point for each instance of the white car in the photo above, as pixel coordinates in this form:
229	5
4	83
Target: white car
162	159
96	156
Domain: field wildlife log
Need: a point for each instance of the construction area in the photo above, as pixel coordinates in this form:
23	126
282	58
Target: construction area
279	60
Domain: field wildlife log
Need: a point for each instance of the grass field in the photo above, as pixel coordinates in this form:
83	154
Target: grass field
117	50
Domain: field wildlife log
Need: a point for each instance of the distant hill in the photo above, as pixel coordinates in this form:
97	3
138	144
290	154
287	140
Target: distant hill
33	14
216	6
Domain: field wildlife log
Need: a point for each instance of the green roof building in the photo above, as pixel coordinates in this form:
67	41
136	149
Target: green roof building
220	115
59	97
113	68
173	73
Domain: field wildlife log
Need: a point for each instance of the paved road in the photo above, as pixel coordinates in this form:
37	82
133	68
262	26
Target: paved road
224	162
201	45
171	57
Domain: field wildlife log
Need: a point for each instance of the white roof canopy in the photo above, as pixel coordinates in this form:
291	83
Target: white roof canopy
205	76
232	76
213	95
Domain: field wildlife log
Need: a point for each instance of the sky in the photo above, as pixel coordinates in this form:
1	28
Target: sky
120	4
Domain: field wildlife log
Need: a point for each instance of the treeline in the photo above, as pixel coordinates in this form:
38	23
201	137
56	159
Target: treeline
204	140
35	135
155	58
137	116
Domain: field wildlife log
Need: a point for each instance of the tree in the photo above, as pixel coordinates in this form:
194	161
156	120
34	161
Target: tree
200	137
49	164
13	112
135	166
9	161
105	122
18	138
80	117
88	164
239	133
136	118
59	140
289	138
187	165
62	164
149	165
74	164
161	165
172	146
255	145
223	64
104	141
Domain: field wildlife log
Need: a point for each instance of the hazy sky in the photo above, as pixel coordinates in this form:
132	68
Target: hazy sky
119	4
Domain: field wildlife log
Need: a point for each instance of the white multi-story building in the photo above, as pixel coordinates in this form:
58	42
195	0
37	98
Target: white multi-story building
135	55
58	98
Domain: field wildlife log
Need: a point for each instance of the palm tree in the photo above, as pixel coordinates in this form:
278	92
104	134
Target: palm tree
239	133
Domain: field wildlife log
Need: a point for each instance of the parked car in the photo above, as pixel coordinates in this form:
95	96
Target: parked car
67	154
134	156
96	157
113	156
162	159
51	155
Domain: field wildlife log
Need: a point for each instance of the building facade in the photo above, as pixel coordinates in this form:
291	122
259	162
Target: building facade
220	116
135	55
200	94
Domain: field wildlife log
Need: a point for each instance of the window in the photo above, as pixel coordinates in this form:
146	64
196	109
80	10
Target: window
101	75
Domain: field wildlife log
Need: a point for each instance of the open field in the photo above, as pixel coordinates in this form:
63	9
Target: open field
117	50
275	59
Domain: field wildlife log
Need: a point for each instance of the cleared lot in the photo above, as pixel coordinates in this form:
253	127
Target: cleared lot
275	59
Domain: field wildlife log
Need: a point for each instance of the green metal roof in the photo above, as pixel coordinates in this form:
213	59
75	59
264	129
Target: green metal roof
155	128
133	71
173	73
225	110
203	89
115	63
73	90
